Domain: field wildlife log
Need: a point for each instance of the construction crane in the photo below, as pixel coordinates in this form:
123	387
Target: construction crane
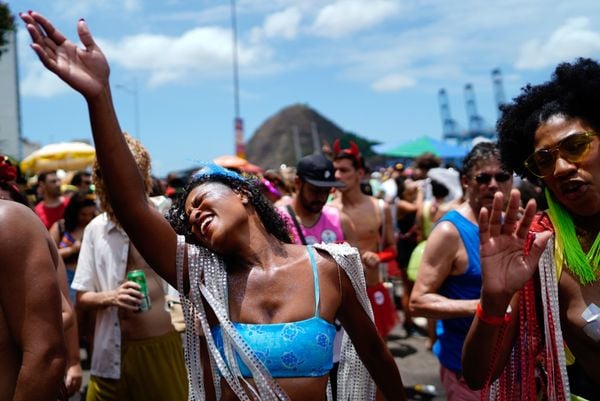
476	123
449	125
498	89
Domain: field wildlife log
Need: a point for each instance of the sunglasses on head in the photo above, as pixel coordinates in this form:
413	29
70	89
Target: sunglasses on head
573	149
486	178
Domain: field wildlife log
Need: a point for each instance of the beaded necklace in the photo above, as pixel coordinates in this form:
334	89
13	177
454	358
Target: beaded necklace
536	369
584	266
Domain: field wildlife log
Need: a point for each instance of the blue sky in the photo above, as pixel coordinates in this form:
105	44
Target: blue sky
374	67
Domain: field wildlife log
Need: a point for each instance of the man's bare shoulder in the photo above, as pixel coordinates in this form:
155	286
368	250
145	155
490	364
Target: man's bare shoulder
13	212
19	225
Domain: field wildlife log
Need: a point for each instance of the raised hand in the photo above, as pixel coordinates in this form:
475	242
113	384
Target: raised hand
506	267
85	70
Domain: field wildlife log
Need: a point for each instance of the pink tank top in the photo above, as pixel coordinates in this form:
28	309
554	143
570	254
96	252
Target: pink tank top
327	229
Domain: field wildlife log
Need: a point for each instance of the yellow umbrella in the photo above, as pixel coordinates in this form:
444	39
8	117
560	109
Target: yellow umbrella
68	156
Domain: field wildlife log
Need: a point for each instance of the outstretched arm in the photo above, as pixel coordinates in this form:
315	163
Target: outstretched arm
506	268
86	70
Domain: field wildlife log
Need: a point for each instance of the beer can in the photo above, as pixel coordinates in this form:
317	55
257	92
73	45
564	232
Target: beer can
139	277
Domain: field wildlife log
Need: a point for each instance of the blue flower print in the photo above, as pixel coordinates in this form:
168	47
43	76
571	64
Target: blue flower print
290	361
323	340
290	331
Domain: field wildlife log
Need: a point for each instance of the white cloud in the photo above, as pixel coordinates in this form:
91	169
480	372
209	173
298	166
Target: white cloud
283	24
40	82
205	51
345	17
575	38
132	5
393	83
82	8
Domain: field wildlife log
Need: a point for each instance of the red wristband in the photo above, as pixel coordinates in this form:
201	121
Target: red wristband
492	320
387	254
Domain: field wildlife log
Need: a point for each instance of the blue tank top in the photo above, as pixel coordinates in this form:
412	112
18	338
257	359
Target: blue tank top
452	332
295	349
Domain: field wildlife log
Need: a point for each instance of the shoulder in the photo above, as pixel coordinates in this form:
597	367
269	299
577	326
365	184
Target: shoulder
443	232
15	213
39	207
20	228
336	253
97	222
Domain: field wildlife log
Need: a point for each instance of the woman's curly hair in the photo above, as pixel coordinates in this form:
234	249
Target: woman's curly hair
143	161
267	213
572	92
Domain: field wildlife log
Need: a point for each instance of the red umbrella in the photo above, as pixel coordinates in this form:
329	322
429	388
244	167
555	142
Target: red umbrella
235	162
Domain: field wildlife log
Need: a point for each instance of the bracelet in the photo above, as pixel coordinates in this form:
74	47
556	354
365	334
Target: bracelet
492	320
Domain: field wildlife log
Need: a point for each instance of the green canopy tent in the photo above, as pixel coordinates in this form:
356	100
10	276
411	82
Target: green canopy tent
417	147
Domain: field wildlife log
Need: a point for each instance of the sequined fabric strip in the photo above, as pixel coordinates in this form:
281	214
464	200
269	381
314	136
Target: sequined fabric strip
354	381
559	386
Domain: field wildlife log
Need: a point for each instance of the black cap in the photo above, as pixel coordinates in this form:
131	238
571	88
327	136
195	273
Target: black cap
317	170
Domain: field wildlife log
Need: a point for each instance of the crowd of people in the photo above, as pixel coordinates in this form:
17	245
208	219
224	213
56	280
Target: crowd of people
282	285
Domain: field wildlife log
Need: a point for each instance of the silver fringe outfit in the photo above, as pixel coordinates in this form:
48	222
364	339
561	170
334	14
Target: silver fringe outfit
208	282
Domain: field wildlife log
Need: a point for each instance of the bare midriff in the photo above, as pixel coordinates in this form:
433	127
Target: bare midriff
152	323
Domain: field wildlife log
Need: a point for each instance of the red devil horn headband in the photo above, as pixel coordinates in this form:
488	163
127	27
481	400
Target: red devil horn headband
353	151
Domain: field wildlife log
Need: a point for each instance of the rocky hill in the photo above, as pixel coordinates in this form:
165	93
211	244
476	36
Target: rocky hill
273	142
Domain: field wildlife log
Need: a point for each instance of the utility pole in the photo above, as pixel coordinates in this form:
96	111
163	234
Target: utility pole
133	90
238	123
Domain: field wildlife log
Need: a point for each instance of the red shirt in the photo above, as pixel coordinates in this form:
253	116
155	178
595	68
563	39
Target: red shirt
49	215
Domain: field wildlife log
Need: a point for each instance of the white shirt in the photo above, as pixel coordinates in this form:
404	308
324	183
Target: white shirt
102	266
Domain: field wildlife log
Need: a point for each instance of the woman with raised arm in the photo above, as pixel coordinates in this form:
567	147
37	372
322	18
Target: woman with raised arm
547	344
259	310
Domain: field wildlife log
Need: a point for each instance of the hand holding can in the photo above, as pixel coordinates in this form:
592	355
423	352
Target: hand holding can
139	277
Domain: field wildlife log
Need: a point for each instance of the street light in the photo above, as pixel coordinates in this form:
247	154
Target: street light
133	90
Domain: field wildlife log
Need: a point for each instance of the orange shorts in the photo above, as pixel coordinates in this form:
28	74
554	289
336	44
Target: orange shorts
386	317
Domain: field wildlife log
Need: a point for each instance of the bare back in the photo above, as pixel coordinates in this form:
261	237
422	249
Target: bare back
32	349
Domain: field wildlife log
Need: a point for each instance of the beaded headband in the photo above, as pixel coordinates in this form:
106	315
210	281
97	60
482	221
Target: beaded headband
212	170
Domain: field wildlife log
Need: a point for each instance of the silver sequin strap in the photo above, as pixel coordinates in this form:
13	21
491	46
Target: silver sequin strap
354	380
549	294
208	281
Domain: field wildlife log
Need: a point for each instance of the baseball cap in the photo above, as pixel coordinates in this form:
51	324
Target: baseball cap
317	170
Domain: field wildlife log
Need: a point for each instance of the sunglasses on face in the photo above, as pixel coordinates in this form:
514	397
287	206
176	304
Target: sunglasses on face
486	178
573	149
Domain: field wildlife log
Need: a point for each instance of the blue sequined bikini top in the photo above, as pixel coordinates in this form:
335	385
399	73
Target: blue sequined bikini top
295	349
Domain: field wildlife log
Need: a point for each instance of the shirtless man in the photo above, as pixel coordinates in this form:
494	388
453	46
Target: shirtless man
366	213
32	348
137	355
